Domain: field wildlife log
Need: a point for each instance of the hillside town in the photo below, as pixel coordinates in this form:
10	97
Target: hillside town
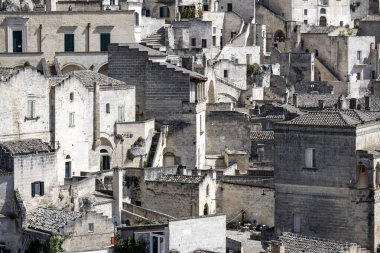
183	126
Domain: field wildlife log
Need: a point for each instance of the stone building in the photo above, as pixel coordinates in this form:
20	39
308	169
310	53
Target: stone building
23	110
81	231
172	95
315	195
66	40
203	234
92	109
313	12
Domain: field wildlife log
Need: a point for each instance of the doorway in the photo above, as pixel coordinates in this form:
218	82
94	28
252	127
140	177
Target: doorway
17	41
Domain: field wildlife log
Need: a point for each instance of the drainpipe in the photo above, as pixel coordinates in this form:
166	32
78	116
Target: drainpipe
96	117
88	36
40	42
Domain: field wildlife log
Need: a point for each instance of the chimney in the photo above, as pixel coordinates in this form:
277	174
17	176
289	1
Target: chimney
277	247
295	100
321	104
353	103
367	102
117	189
96	117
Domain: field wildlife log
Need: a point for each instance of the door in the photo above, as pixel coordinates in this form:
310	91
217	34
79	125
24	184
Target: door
17	41
105	162
157	243
296	223
67	169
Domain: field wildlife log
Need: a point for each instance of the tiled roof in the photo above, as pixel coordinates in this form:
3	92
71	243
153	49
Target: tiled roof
180	179
324	118
262	135
312	100
88	77
50	220
28	146
295	243
363	116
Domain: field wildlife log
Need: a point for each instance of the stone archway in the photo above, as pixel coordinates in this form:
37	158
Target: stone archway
71	67
322	21
103	69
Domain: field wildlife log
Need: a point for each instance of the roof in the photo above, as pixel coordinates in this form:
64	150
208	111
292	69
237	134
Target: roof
325	118
27	146
180	179
312	100
363	116
262	135
320	29
295	243
50	220
87	78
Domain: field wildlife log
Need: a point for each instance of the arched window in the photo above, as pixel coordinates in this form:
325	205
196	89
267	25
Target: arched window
322	11
169	159
279	36
322	21
137	19
361	176
105	160
67	166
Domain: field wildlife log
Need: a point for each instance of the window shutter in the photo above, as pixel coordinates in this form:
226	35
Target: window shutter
42	191
33	192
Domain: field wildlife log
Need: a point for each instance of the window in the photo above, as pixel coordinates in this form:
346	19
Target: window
323	11
108	109
225	73
341	23
38	189
305	21
69	42
229	7
359	76
322	21
214	40
305	12
91	227
164	12
121	113
207	190
17	41
193	42
373	74
359	55
204	43
200	125
112	2
31	114
105	40
233	34
214	30
137	19
68	169
310	158
71	96
71	119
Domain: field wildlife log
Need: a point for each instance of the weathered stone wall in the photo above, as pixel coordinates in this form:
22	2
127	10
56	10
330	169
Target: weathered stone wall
245	9
82	239
227	129
256	201
79	6
297	67
27	85
208	233
7	196
32	168
232	24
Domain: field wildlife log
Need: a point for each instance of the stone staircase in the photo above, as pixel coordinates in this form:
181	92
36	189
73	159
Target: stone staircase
155	40
153	148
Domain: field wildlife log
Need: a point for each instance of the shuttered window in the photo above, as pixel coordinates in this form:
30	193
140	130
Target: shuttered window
38	189
69	42
121	113
31	109
105	40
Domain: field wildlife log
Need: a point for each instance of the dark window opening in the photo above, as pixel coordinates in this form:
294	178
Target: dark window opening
69	42
105	40
204	43
229	7
17	41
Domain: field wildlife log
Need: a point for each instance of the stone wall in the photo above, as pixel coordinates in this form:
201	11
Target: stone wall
7	196
232	25
82	239
227	129
206	233
245	9
256	201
